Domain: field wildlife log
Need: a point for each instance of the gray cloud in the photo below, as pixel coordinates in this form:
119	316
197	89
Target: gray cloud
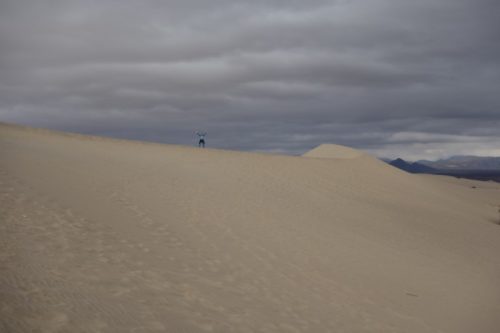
414	79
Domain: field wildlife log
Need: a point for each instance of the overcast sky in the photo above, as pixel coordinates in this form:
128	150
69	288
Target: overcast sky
417	79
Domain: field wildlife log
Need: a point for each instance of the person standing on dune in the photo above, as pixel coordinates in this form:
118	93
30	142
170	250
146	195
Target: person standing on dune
201	136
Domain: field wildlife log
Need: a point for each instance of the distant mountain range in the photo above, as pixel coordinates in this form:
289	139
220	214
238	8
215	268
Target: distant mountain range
473	167
414	167
464	163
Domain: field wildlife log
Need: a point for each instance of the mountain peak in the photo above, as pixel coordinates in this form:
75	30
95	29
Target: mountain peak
411	167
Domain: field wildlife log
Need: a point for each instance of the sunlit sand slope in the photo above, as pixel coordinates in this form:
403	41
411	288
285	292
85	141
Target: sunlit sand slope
101	235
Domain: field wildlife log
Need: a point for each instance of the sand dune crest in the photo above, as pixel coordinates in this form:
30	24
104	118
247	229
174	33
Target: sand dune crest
334	151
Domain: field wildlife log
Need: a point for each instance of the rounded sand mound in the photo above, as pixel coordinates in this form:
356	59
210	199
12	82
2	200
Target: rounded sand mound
334	151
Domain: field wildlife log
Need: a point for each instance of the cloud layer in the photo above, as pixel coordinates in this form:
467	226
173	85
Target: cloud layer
418	79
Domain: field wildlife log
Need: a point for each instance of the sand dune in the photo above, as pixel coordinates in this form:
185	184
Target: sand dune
102	235
334	151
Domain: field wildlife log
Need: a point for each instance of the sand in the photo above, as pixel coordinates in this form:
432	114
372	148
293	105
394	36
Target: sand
103	235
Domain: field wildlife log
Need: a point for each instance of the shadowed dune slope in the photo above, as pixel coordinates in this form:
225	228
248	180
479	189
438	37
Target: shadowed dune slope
103	235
